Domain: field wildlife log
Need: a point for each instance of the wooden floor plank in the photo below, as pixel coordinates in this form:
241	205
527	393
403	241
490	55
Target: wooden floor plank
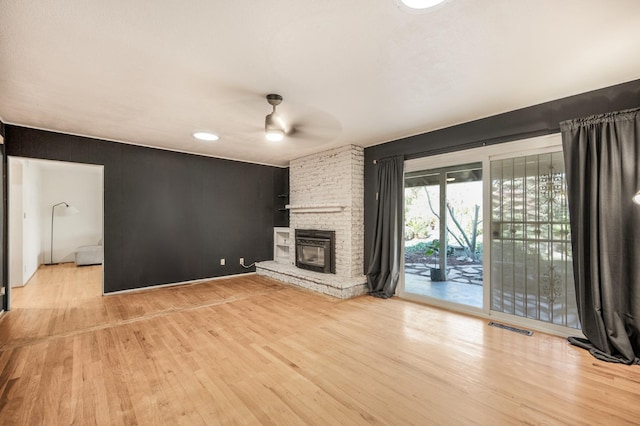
250	350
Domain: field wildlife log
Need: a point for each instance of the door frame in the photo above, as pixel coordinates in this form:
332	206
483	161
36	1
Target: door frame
4	279
485	154
8	227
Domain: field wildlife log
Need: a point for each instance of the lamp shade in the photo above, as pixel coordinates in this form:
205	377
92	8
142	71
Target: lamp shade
65	210
636	198
68	210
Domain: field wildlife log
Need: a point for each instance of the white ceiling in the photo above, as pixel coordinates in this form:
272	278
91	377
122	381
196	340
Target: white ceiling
351	72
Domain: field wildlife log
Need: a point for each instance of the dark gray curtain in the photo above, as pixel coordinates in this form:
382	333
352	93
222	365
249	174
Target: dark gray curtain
384	263
602	157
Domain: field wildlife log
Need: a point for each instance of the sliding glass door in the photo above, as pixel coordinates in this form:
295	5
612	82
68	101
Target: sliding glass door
443	234
531	269
526	263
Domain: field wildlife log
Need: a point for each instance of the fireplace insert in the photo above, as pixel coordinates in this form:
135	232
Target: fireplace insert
315	250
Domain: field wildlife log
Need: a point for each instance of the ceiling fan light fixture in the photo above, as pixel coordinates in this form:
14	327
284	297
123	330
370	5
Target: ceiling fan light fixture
205	136
273	124
274	135
421	4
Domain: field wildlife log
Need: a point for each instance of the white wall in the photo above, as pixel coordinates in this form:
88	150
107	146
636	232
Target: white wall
36	185
16	275
31	226
81	187
24	220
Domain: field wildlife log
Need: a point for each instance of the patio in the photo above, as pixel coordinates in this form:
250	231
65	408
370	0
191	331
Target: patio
464	284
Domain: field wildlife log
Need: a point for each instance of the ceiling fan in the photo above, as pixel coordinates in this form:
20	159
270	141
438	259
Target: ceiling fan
288	123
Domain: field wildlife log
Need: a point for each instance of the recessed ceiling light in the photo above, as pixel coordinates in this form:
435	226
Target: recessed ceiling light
205	136
421	4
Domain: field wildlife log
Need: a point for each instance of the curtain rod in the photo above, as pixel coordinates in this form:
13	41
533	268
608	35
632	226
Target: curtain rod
379	159
477	144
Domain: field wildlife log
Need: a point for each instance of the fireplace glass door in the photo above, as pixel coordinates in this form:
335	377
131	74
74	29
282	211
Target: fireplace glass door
315	250
312	255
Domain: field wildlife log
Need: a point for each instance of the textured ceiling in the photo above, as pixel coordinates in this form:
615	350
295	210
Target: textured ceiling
351	72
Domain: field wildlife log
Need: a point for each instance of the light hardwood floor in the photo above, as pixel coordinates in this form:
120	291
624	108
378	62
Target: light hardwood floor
249	350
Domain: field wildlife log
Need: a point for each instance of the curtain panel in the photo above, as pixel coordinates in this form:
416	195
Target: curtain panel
602	159
384	263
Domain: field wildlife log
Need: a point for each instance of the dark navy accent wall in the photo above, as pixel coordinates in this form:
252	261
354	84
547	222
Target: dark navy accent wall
170	217
511	126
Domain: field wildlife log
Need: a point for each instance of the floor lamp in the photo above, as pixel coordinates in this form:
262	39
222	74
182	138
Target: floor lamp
68	210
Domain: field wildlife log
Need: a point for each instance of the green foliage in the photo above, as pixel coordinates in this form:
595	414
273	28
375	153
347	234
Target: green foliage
433	248
429	248
417	227
417	248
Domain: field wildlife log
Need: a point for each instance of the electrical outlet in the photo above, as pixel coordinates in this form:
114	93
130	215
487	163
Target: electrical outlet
222	262
242	260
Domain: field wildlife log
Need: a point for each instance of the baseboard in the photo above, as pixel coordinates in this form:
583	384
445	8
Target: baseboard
31	276
153	287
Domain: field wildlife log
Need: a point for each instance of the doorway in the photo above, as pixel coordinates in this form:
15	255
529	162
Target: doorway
54	209
443	234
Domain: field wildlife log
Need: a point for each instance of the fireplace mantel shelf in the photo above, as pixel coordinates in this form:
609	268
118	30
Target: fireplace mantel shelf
315	208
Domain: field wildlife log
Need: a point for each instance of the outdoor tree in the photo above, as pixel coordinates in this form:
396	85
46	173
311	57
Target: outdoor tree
465	235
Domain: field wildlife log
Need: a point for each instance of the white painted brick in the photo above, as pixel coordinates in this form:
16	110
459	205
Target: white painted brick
333	177
323	283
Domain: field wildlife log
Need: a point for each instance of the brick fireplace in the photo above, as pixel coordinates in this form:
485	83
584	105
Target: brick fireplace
327	193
